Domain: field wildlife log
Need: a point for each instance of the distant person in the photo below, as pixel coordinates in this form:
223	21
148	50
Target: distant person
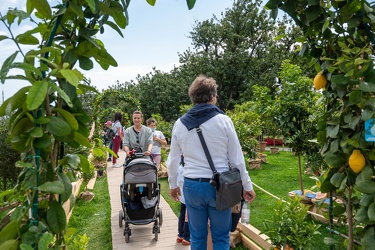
109	133
223	144
183	236
158	141
118	137
138	136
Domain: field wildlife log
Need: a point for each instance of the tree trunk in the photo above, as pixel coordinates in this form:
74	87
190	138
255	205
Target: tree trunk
350	218
300	172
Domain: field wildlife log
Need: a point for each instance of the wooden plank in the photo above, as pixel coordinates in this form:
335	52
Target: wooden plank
249	244
253	234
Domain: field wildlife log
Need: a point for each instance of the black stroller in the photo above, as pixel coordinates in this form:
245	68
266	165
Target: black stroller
140	195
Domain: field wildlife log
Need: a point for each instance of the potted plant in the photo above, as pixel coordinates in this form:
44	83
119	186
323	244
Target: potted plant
87	176
98	156
289	227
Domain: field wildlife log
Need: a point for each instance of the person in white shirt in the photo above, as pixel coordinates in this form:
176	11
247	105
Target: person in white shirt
158	141
223	145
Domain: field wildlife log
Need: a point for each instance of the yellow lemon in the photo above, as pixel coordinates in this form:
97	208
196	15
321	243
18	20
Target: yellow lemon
320	81
357	161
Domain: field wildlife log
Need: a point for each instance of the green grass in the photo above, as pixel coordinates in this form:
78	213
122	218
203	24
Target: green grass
278	176
94	218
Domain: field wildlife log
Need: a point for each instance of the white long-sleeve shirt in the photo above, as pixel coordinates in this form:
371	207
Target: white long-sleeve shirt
223	145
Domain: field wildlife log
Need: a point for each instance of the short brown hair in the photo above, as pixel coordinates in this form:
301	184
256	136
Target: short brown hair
202	89
150	121
137	112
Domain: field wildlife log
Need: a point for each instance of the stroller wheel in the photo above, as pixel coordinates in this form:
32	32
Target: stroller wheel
156	231
127	235
160	215
156	236
120	217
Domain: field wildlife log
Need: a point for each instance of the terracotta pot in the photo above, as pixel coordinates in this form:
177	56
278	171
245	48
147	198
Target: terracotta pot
255	164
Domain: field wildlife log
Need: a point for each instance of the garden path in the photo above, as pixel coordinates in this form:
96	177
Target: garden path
142	236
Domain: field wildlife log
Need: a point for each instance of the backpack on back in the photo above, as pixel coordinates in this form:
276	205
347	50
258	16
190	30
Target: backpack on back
110	133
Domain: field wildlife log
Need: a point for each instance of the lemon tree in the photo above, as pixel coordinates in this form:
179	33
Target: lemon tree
339	40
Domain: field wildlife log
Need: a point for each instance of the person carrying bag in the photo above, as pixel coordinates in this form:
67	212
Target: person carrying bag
205	202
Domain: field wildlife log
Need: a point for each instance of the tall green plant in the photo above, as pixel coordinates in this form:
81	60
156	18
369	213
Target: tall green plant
248	127
339	40
47	114
293	108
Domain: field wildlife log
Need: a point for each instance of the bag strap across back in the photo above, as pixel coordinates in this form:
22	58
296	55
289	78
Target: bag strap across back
204	145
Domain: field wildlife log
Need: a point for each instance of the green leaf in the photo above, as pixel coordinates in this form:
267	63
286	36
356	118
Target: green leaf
37	94
22	126
361	215
371	212
91	4
332	131
24	246
27	68
84	163
76	9
367	86
44	241
2	37
116	11
366	114
56	217
67	186
27	39
152	2
72	76
339	79
304	49
79	138
55	187
62	94
368	240
68	117
355	97
115	27
10	231
43	142
367	199
9	245
365	186
6	66
190	4
58	126
349	9
36	132
42	7
85	63
73	160
337	179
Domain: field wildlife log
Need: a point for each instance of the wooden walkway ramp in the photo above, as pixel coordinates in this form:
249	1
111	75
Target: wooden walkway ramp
142	236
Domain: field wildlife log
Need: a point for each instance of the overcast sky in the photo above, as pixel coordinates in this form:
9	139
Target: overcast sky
153	38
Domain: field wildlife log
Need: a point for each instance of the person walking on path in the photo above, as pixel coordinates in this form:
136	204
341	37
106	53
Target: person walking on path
158	141
138	136
223	145
109	136
183	236
118	137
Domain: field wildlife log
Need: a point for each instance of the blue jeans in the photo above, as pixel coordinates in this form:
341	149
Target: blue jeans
200	200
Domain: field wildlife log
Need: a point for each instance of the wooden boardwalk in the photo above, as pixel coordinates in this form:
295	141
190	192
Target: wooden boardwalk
142	236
